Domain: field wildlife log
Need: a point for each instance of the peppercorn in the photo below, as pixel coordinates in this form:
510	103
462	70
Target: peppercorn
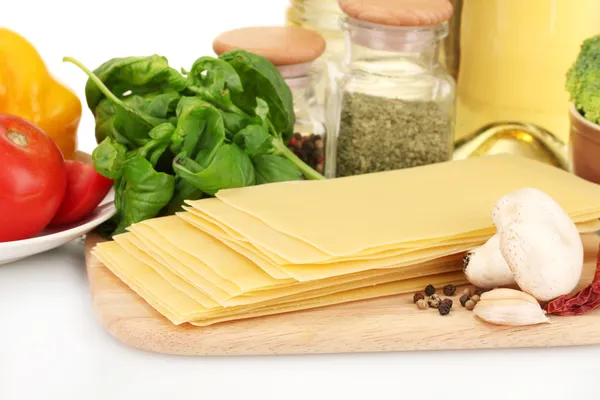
463	299
449	290
448	302
417	297
469	305
429	290
467	291
479	292
444	309
422	304
475	298
434	301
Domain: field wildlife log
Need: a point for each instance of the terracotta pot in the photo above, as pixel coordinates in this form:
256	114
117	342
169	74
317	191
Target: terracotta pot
585	147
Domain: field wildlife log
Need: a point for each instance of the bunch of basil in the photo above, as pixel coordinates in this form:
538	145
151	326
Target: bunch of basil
165	136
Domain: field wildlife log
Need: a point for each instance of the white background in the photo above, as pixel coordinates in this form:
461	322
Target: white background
50	344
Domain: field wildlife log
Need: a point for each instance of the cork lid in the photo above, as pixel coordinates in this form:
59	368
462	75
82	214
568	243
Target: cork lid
398	12
282	45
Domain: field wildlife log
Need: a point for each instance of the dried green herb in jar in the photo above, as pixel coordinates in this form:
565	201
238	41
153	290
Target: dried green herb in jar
380	134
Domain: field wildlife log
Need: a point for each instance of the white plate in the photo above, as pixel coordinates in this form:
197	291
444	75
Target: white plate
52	238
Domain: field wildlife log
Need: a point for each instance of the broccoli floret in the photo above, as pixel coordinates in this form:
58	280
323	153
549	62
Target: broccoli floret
583	80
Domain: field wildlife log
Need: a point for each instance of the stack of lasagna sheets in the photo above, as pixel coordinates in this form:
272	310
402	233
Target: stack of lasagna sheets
291	246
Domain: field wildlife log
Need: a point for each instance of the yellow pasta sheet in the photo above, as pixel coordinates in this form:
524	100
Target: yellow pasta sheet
439	266
222	220
354	214
311	272
179	308
138	250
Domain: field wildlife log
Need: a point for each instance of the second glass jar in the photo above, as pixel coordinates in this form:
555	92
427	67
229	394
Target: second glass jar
394	105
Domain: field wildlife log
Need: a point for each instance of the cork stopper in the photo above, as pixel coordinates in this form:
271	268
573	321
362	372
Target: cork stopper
281	45
398	12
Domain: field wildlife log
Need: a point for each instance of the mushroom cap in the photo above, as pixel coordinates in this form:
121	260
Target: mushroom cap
540	243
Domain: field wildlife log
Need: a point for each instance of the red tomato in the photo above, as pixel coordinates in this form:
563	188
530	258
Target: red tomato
32	179
85	190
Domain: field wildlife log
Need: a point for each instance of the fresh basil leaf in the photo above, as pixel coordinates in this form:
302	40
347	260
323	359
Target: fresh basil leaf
141	193
233	122
200	131
262	80
136	74
230	168
271	168
254	139
130	118
160	141
183	191
162	104
261	110
105	119
109	158
214	74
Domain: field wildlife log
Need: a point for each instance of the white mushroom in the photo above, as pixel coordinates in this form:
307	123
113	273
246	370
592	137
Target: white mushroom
485	267
539	242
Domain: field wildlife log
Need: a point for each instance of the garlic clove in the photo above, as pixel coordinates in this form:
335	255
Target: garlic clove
510	307
485	266
505	293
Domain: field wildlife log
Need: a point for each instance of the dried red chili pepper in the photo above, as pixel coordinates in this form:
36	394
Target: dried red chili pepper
579	303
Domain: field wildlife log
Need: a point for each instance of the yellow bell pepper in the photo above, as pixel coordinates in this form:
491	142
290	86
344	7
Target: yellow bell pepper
29	91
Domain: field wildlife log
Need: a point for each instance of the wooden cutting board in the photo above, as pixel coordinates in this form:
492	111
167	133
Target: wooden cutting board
387	324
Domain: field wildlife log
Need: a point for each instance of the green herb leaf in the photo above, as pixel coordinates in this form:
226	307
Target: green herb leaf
162	104
254	139
200	131
105	121
271	168
141	193
214	74
183	191
129	120
109	158
230	168
262	80
160	141
136	74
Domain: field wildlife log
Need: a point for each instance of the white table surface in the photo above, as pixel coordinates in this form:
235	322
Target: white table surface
51	346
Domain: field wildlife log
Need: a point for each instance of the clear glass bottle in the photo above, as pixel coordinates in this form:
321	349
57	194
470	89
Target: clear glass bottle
394	105
309	140
321	16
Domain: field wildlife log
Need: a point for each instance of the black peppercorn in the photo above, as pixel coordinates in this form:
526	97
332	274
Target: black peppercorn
429	290
449	290
448	302
417	297
479	292
444	309
463	299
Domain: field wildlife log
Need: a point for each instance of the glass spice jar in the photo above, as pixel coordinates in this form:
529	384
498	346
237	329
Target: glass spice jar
321	16
292	50
394	104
